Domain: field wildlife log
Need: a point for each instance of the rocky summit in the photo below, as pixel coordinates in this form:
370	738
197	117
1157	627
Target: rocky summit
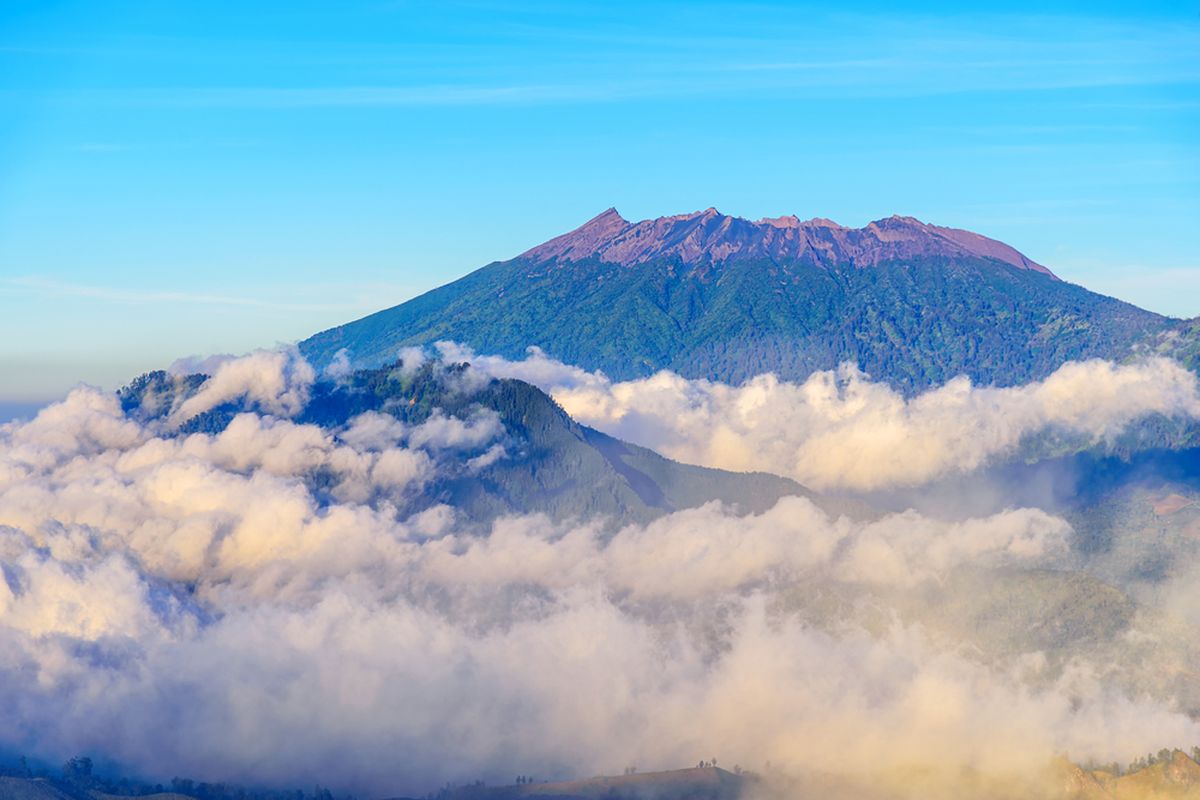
710	236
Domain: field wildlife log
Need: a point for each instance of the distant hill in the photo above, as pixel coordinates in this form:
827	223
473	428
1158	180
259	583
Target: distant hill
713	296
42	788
36	789
697	783
553	465
1168	774
1173	775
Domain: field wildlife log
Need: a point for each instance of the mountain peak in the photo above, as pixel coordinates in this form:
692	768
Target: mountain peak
710	236
606	216
588	238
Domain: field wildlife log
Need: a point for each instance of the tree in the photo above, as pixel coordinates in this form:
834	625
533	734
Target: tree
78	770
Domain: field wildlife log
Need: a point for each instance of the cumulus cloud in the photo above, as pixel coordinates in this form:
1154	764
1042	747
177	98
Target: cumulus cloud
691	554
276	380
538	368
444	432
838	430
189	605
339	366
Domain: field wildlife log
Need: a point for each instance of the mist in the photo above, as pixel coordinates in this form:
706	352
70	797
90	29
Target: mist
840	431
193	605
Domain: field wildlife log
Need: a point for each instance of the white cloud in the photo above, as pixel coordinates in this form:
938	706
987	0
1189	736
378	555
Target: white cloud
189	606
840	431
277	380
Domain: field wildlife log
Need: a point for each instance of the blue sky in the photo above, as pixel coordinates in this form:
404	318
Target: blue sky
185	178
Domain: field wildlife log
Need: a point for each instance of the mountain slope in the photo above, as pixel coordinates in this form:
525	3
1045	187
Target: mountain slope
12	788
552	464
713	296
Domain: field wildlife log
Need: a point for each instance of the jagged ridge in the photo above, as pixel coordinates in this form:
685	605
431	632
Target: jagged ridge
712	236
717	297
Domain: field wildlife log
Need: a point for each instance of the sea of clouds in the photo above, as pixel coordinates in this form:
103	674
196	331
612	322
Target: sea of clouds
189	605
840	431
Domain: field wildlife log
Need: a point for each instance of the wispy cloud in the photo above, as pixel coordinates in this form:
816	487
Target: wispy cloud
100	147
53	288
758	53
884	78
164	145
297	97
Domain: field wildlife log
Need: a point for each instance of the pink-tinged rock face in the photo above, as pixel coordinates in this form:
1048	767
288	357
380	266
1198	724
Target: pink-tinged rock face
712	236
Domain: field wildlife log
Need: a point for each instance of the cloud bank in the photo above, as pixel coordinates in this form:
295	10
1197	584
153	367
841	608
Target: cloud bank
191	605
839	431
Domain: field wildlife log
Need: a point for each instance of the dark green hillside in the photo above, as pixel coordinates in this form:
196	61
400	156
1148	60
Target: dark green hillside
915	323
1183	343
553	465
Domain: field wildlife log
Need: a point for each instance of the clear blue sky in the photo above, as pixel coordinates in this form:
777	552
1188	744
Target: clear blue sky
194	177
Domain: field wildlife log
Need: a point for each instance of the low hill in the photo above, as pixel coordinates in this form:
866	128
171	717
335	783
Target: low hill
41	788
1167	775
697	783
35	789
1173	776
552	464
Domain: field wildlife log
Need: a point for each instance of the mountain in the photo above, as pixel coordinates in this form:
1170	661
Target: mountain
713	296
552	464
